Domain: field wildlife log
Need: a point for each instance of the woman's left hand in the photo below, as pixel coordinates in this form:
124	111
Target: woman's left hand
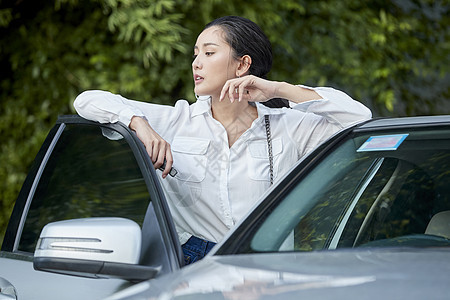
249	88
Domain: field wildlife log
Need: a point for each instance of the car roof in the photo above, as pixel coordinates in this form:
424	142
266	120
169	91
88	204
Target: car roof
405	121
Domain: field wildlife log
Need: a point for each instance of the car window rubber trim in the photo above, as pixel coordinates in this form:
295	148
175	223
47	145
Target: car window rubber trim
36	180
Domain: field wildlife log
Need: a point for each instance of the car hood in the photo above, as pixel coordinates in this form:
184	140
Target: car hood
368	274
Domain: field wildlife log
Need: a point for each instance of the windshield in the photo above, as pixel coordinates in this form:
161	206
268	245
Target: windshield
384	188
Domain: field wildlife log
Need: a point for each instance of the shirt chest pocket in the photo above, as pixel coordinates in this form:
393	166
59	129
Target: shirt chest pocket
258	158
189	158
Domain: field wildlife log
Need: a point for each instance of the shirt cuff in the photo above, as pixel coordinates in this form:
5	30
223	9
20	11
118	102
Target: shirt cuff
127	114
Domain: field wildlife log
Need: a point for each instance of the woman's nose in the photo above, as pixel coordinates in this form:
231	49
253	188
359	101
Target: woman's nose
196	64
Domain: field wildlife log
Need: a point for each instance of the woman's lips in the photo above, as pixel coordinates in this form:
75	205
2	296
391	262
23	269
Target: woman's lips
198	79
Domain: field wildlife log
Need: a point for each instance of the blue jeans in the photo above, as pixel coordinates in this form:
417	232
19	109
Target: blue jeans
195	249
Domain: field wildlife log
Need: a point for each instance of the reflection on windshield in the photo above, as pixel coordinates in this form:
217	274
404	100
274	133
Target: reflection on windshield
378	191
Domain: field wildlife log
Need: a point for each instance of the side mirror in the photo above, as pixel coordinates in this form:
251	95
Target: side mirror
92	247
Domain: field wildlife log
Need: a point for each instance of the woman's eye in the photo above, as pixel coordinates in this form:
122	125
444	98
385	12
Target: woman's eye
206	53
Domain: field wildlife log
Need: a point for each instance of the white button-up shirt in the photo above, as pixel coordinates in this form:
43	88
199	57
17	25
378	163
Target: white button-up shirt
217	185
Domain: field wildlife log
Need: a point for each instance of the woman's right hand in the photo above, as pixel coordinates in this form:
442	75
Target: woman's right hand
157	148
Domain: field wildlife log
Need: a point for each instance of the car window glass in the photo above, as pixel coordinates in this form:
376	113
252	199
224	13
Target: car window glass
92	172
365	199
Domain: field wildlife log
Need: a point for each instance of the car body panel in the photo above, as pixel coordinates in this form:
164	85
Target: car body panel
367	274
32	284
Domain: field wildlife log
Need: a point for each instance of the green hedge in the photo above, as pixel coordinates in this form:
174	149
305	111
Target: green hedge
391	55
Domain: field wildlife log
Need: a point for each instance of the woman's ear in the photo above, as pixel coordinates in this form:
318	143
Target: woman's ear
244	66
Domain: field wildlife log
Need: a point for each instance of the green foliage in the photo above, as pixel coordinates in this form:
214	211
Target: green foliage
392	55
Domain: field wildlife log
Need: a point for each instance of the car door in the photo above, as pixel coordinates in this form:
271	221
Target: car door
85	170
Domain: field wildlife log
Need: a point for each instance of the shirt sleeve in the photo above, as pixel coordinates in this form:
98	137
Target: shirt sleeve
106	107
317	120
335	106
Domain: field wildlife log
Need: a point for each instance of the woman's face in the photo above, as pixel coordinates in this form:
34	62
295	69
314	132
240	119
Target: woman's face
213	63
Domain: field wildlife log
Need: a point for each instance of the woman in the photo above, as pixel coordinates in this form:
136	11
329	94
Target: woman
226	147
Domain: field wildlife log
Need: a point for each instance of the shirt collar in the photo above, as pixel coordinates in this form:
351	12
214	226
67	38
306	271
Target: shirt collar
203	105
264	110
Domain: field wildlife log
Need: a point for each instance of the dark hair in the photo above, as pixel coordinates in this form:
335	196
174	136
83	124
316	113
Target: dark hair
246	38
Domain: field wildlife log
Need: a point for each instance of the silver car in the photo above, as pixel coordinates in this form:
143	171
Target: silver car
365	216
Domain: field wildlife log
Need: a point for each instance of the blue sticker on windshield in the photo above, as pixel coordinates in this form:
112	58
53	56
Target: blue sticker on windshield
383	142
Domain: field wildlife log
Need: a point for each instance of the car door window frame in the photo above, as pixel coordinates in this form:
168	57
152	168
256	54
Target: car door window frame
159	207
